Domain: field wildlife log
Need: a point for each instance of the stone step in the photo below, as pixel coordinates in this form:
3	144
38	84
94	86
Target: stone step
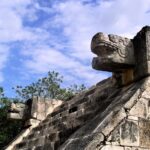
40	127
21	145
48	142
48	146
71	104
32	135
59	109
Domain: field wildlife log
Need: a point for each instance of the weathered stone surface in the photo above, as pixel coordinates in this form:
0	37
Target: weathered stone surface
127	148
112	147
110	122
98	138
139	109
114	137
17	111
133	100
137	148
114	52
144	127
135	118
142	52
38	108
129	133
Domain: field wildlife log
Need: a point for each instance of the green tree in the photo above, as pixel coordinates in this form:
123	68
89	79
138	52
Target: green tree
8	128
50	87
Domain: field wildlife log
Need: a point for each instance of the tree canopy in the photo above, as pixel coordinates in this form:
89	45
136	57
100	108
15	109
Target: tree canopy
49	86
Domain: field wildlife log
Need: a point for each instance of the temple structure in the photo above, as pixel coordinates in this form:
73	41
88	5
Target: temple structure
114	114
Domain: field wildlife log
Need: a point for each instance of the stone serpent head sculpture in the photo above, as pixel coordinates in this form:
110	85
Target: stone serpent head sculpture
114	53
128	59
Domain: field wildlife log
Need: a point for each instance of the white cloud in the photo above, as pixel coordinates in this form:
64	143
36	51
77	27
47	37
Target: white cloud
81	21
11	23
11	28
78	22
74	22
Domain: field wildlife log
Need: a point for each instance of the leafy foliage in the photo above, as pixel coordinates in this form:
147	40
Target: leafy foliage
49	87
8	128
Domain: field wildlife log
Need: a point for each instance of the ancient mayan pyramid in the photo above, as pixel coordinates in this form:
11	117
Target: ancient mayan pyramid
112	115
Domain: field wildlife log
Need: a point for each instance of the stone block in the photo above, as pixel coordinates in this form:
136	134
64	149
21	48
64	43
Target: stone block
133	118
95	141
52	137
80	113
129	104
139	109
47	146
114	138
112	147
16	116
22	144
137	148
142	52
146	94
144	127
129	133
127	148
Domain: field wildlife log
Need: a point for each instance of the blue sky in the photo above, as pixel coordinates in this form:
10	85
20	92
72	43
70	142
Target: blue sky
37	36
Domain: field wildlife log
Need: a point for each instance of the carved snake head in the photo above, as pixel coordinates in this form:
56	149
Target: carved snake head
114	53
17	111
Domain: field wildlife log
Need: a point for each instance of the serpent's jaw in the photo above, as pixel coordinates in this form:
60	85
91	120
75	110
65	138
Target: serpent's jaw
16	111
105	49
114	53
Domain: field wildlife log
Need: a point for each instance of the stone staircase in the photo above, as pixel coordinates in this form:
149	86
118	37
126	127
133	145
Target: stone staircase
91	119
67	118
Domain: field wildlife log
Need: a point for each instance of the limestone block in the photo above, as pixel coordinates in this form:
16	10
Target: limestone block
80	113
140	109
137	148
142	52
132	118
114	138
146	84
97	139
146	94
51	105
112	147
127	148
129	132
42	107
32	122
144	126
52	137
129	104
14	116
64	113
